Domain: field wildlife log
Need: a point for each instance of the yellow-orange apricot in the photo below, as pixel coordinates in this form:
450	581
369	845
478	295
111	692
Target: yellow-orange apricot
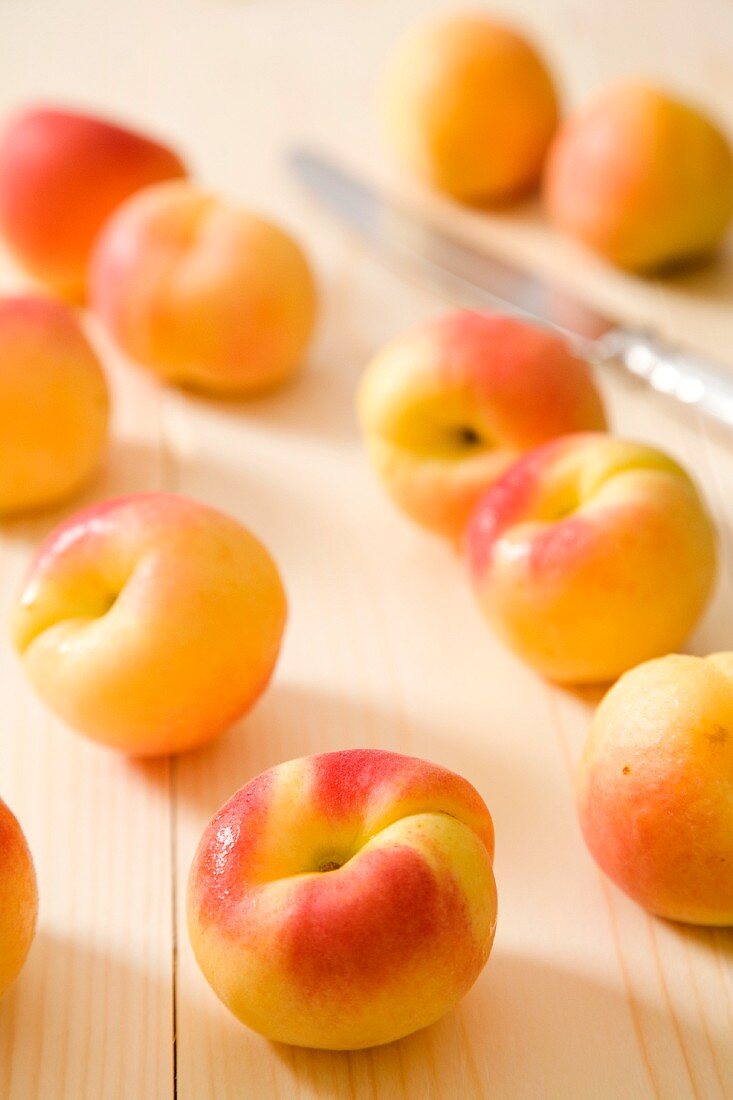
448	405
590	555
470	107
203	293
18	898
642	178
654	787
54	405
150	622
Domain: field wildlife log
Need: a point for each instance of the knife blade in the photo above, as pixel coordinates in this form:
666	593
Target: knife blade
479	280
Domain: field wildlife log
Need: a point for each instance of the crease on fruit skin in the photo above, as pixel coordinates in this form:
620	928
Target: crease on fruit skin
447	406
620	577
229	836
24	640
178	262
63	629
113	244
497	520
442	426
151	623
106	572
361	845
459	371
230	855
412	892
102	597
357	955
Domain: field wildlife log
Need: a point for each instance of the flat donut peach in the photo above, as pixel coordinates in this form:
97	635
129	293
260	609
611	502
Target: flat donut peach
345	900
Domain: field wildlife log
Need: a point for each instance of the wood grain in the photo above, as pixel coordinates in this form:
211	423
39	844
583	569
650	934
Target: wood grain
585	996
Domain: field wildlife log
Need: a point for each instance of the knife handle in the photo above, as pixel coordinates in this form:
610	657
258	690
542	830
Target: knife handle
689	378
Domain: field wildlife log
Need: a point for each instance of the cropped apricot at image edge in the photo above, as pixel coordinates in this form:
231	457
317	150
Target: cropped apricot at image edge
62	173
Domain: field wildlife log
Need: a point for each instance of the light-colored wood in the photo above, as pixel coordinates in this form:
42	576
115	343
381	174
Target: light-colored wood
584	996
92	1016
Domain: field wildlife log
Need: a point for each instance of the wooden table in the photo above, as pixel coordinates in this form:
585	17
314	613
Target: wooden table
584	996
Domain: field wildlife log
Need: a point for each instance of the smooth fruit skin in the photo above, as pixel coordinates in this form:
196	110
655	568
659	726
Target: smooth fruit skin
18	898
470	107
150	623
590	555
202	293
641	178
345	900
448	405
62	173
654	787
54	404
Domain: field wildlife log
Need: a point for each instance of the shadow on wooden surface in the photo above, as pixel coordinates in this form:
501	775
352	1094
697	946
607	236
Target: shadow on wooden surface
531	1030
526	1029
127	466
709	939
80	1054
711	281
317	403
275	731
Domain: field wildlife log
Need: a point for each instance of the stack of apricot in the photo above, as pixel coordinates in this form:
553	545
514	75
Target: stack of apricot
347	899
590	555
638	175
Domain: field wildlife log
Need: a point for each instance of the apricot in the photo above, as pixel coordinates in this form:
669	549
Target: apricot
470	107
62	173
590	555
202	293
642	178
448	405
150	622
346	899
18	898
54	404
654	787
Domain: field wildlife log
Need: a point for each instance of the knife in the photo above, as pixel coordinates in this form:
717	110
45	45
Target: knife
484	281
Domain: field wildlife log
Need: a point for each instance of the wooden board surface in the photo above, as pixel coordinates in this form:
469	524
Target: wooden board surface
584	996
